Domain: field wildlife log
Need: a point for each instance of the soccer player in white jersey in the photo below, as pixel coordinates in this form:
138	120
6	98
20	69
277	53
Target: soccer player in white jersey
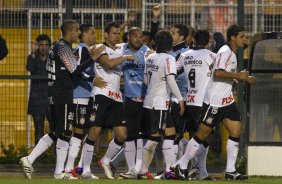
108	100
160	71
219	105
197	64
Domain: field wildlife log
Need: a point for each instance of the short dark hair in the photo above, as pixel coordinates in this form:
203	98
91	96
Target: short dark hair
67	26
84	28
43	37
110	25
202	37
234	30
163	41
183	30
148	33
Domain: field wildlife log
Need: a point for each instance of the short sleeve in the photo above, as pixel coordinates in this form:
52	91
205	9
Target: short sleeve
222	60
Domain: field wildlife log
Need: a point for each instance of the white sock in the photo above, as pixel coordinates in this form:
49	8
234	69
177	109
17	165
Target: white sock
130	154
148	153
175	149
232	149
43	144
202	161
169	154
74	146
112	150
190	152
139	155
80	163
61	154
87	154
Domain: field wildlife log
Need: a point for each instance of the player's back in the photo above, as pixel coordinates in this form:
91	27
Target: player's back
158	65
197	64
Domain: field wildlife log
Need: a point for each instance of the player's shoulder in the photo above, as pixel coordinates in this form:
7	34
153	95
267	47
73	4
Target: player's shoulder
224	49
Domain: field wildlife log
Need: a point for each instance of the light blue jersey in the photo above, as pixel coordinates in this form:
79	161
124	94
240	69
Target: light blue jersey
133	72
180	79
83	84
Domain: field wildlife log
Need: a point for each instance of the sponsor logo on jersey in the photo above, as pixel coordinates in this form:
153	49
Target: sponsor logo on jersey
227	100
135	82
192	91
115	95
191	98
133	66
193	62
152	67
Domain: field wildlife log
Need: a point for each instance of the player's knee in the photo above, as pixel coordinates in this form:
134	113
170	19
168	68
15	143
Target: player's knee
121	138
94	132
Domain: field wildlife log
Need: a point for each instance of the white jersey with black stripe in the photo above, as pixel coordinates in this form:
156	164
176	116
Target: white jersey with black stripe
219	91
157	67
197	65
111	76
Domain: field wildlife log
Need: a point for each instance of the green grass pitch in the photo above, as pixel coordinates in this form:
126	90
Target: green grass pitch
38	180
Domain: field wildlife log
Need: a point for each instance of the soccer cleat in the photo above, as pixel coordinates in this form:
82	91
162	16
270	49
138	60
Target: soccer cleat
89	175
64	176
181	174
79	170
159	175
146	176
74	173
193	171
235	176
170	175
27	167
107	169
130	174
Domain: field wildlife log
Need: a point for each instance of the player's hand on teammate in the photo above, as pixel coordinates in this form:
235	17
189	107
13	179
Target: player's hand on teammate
96	51
156	13
129	57
99	82
182	107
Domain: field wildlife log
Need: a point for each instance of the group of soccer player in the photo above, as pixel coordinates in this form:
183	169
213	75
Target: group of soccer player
165	89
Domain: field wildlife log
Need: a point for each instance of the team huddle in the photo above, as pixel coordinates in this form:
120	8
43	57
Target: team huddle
165	90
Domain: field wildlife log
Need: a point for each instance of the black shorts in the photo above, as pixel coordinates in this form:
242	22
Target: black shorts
82	116
192	116
133	115
156	120
211	116
64	115
174	119
107	112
